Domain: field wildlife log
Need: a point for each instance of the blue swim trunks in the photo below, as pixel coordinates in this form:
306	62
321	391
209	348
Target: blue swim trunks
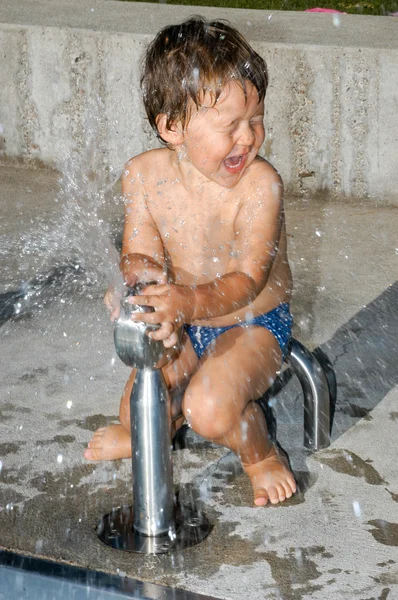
278	321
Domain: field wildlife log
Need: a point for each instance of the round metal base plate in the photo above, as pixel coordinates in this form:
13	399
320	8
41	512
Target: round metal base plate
116	530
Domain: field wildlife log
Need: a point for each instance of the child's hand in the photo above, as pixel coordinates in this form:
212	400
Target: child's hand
112	302
139	269
167	333
173	304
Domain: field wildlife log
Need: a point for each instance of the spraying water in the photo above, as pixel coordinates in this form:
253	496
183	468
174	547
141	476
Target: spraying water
70	252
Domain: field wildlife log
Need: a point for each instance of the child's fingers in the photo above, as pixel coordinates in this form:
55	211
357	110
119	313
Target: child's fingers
154	290
131	279
115	314
164	332
171	341
147	275
152	318
153	301
159	276
142	299
108	297
112	302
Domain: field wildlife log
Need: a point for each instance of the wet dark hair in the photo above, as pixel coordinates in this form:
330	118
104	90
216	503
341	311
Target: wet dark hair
185	61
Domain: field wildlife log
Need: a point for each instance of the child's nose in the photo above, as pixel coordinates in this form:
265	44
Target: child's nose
247	136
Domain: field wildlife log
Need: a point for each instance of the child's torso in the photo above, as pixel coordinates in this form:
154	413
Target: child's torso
197	227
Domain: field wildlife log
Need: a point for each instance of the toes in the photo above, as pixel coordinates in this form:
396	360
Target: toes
273	495
281	492
93	454
290	485
94	444
88	454
289	489
261	497
98	435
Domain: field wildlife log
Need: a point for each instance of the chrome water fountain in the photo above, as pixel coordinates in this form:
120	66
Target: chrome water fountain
155	523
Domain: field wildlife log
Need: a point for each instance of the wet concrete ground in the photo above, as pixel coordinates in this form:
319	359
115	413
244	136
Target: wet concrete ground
60	380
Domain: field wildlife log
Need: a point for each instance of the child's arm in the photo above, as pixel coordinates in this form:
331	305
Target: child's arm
258	226
142	257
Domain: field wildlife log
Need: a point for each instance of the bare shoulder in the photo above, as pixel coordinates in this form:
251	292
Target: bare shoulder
265	176
145	165
262	186
262	165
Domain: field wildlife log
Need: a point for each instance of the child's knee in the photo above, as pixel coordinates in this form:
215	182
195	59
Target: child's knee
207	415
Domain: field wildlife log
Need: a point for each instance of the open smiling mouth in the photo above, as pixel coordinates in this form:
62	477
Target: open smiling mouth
234	164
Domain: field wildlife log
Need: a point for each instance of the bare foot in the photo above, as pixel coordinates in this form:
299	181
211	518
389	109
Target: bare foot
109	443
114	442
271	479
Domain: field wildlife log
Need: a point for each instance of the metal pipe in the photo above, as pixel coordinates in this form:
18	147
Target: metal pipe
152	468
316	396
153	498
155	523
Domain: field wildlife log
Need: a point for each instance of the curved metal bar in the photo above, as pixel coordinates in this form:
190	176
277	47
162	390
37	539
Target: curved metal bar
316	396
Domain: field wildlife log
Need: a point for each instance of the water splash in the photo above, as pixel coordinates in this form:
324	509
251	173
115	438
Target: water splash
71	252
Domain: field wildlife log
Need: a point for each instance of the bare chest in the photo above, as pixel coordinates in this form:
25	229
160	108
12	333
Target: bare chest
197	233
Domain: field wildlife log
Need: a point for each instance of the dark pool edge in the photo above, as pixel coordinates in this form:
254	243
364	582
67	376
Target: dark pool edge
99	579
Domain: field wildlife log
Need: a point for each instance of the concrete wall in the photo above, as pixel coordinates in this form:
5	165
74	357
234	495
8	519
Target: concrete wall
69	80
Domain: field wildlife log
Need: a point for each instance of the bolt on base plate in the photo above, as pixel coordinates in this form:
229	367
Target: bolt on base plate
116	530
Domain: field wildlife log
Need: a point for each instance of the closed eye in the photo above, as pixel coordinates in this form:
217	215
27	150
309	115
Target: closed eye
231	126
257	120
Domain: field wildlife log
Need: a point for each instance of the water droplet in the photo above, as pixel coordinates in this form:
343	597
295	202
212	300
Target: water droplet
69	404
357	508
59	459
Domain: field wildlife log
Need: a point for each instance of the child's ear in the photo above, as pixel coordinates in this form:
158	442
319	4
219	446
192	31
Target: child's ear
172	135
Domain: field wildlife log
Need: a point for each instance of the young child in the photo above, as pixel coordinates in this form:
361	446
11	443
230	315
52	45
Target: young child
204	220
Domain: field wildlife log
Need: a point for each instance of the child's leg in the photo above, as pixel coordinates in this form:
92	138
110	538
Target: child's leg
114	442
219	405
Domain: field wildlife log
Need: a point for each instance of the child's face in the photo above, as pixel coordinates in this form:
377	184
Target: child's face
222	141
